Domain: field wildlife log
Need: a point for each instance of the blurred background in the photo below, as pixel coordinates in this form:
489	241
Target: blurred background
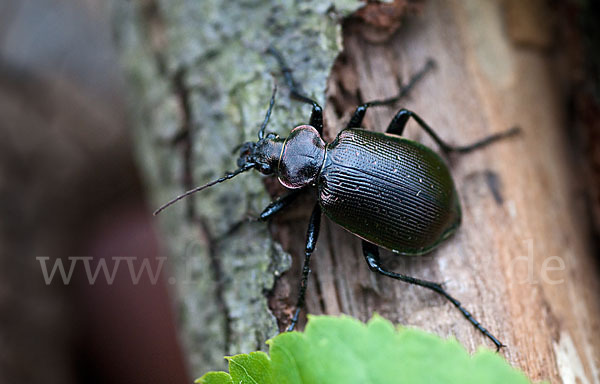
110	108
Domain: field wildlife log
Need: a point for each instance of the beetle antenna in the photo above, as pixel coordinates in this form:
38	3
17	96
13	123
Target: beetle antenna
227	176
261	133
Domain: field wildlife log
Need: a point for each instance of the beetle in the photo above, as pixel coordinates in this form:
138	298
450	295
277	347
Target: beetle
391	192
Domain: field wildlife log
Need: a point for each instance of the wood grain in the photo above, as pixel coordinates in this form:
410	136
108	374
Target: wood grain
521	261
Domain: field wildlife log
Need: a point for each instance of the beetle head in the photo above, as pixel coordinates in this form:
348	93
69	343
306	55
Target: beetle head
263	154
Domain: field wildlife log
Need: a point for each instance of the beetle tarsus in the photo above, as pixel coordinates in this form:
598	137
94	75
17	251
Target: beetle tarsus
486	140
371	254
294	320
399	121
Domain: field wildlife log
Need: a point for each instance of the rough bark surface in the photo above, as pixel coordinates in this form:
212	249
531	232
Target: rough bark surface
201	86
520	262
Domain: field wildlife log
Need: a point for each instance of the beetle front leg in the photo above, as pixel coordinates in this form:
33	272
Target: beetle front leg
371	253
280	204
261	132
312	235
316	116
399	121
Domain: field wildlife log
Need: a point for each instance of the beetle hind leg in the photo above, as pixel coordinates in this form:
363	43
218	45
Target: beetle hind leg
312	235
371	253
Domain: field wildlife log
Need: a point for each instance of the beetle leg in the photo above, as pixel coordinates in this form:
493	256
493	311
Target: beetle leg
399	121
261	132
316	117
312	235
280	204
357	116
371	253
404	90
359	113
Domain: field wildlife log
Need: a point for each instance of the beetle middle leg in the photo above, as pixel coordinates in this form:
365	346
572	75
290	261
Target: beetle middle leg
371	253
399	121
359	113
316	117
312	235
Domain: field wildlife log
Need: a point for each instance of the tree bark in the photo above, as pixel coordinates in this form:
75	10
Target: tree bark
201	86
521	262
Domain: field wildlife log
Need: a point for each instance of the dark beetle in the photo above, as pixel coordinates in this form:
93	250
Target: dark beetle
389	191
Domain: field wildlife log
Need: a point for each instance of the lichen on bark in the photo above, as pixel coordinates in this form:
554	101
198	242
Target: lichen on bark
200	85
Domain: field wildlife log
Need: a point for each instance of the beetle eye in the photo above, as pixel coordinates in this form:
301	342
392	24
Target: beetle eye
265	169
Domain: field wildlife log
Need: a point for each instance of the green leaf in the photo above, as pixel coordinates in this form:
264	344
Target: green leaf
344	350
254	368
215	378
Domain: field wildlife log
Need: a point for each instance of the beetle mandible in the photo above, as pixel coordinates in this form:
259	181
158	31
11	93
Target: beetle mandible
391	192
